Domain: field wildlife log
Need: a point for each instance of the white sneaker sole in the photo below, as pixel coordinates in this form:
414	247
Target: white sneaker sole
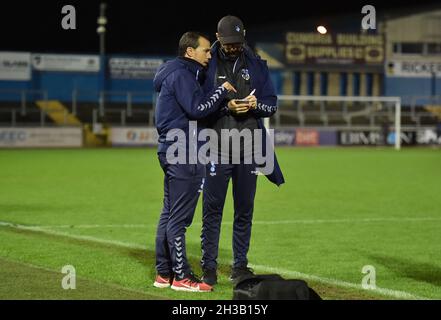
161	285
188	289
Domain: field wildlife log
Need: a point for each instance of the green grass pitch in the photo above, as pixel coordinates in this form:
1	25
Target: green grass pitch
340	209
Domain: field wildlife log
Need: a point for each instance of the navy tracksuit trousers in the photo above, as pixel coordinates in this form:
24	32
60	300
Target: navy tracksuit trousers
182	186
244	178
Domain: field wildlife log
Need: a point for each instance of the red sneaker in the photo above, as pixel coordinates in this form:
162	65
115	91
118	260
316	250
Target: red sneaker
191	284
162	281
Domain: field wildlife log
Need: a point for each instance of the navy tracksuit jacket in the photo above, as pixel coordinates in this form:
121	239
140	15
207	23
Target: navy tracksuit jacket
244	176
181	99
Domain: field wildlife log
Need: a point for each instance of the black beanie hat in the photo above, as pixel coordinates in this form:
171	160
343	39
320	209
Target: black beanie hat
231	30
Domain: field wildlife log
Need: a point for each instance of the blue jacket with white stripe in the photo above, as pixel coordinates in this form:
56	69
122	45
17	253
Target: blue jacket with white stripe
265	93
181	98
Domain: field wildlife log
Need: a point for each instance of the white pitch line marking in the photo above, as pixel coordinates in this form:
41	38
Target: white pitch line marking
340	283
259	222
336	282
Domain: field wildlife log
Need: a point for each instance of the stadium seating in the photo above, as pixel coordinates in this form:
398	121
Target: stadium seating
290	113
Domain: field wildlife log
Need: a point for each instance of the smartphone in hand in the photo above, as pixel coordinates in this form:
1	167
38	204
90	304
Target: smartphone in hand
242	101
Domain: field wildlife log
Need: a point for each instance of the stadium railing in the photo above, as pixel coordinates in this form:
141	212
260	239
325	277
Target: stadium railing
122	108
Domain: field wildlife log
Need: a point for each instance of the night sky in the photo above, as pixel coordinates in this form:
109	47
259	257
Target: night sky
154	27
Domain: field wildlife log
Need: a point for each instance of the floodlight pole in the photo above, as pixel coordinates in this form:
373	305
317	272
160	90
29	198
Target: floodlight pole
102	21
101	30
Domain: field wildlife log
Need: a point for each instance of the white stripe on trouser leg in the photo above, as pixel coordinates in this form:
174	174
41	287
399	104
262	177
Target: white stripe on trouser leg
179	258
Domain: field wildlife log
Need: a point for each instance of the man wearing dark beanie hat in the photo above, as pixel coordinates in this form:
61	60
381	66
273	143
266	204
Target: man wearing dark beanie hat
233	61
230	30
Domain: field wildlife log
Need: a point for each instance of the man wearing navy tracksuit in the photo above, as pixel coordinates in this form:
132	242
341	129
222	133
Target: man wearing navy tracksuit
236	63
180	100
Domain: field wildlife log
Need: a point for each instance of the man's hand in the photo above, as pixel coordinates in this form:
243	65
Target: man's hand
252	100
238	107
229	86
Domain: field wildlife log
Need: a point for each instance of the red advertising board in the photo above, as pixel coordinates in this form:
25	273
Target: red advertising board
307	137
